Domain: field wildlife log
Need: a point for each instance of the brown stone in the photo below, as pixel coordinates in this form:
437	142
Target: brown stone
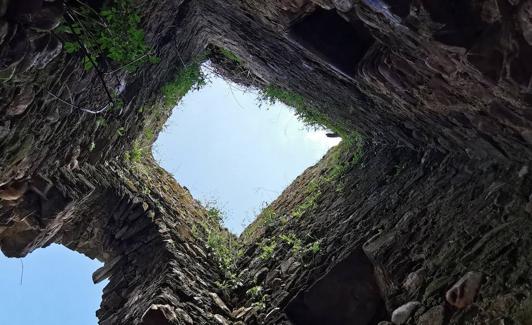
463	293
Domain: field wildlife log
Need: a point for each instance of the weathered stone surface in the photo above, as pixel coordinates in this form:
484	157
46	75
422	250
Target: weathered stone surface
525	20
159	315
414	281
343	5
463	292
439	89
21	102
46	19
434	316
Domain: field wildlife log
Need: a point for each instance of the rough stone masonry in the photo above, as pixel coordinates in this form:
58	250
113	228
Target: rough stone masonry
432	225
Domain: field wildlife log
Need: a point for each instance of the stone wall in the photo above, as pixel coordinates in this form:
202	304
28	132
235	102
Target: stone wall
440	90
423	220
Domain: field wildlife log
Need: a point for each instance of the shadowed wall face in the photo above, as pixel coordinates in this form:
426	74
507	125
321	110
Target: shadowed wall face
348	295
340	43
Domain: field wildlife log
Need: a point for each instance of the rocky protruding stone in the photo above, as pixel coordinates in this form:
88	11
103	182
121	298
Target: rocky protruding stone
46	19
12	55
343	5
325	4
21	102
413	281
221	320
490	11
105	271
3	7
435	316
403	313
219	302
159	315
4	31
47	47
463	293
525	20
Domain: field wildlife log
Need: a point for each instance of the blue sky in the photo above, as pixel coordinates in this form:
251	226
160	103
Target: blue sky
56	289
220	145
224	148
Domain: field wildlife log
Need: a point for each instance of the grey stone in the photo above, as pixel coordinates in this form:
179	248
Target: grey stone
46	19
219	302
16	51
490	12
220	319
525	21
44	48
434	316
184	315
157	314
272	315
325	4
276	283
403	313
343	5
3	7
241	312
105	271
260	276
21	102
413	281
4	31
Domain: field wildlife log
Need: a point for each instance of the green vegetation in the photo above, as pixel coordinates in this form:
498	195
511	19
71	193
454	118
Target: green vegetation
135	154
230	55
113	34
156	114
266	218
293	241
190	78
314	247
267	249
223	245
258	297
295	244
312	194
340	166
305	111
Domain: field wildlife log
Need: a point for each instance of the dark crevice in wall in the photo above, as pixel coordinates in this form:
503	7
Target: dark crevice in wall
462	24
340	43
399	7
348	295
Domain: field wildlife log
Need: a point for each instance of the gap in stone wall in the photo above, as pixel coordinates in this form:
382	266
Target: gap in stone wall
232	153
340	43
52	285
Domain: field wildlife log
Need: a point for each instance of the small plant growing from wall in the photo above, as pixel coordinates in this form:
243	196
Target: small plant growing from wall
189	78
223	245
230	55
258	297
112	34
267	249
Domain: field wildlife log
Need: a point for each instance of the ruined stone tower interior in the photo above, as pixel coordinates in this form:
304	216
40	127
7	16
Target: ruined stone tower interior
422	215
